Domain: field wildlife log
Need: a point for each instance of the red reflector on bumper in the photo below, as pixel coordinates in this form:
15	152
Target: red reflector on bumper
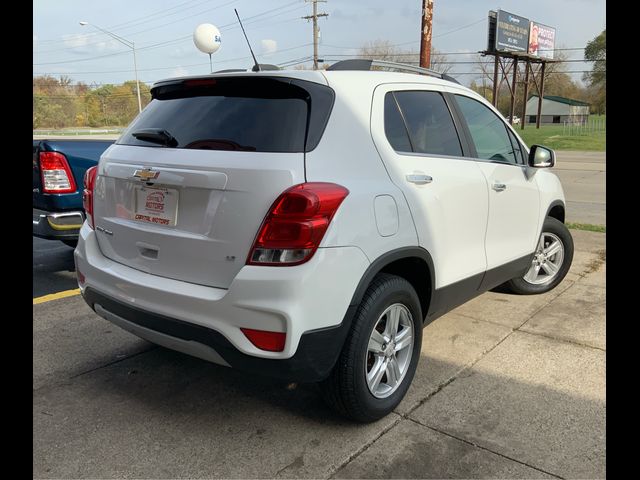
270	341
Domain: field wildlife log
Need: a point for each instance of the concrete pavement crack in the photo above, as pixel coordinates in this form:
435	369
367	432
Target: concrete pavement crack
365	446
485	449
442	385
65	381
153	347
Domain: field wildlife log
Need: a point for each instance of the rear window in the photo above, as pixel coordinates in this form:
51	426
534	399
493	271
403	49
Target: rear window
261	114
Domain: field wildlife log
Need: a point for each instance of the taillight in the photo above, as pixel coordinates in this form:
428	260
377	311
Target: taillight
87	193
264	340
298	219
56	174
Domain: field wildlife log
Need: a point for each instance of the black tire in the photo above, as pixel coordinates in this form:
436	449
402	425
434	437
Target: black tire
556	227
70	243
346	389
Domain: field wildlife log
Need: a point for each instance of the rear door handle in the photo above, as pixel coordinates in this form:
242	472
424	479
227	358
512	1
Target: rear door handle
419	178
499	187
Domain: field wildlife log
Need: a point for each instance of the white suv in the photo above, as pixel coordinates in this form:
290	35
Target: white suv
308	224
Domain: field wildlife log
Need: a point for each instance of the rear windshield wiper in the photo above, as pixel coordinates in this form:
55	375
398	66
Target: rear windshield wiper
156	135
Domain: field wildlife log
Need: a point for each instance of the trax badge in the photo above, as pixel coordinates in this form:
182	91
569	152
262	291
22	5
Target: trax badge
146	174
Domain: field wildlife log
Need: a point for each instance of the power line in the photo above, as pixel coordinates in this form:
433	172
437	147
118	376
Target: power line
251	20
168	68
446	53
447	62
460	28
135	22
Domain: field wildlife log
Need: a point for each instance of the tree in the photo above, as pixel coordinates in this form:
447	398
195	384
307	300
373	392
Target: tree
59	103
385	50
596	52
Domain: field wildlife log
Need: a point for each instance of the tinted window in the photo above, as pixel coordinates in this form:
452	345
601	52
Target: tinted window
517	149
243	113
429	122
488	131
394	125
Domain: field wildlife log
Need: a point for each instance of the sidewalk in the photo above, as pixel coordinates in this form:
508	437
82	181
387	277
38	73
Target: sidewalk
517	387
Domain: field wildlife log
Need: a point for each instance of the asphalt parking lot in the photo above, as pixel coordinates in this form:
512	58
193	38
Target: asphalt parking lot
508	386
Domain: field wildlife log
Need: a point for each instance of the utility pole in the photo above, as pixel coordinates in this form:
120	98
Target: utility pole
425	37
314	17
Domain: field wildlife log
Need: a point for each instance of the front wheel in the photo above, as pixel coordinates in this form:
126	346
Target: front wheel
550	263
381	352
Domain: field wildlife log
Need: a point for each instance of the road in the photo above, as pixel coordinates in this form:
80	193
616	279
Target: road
583	176
507	387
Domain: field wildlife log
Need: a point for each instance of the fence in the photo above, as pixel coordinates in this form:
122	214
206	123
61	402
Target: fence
589	127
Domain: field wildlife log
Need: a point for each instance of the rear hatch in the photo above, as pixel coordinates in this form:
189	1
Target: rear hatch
185	189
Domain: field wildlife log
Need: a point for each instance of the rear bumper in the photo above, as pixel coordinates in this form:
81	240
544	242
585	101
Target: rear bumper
57	225
314	358
309	302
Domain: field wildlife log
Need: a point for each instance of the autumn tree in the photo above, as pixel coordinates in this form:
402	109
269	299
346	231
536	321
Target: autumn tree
58	103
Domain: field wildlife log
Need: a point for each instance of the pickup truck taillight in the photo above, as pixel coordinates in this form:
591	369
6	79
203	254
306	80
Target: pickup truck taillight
56	174
87	194
297	221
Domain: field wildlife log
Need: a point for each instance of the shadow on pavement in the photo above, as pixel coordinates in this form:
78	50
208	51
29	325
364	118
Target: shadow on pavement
152	415
53	267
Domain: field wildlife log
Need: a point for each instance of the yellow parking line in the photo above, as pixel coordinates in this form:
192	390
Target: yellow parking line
56	296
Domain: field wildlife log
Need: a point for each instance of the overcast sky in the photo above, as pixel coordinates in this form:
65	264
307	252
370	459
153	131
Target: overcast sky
162	31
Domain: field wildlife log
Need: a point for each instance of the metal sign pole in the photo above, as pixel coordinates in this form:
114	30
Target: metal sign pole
525	94
541	94
513	90
494	100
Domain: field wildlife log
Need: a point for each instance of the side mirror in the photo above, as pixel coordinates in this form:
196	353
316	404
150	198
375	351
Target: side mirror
541	157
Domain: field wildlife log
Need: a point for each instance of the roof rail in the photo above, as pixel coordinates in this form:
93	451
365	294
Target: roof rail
366	64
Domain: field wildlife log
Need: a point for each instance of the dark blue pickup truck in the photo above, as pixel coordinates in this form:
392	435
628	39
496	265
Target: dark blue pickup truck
58	173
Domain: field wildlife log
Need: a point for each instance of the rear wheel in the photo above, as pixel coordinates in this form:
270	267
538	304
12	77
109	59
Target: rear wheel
550	263
381	352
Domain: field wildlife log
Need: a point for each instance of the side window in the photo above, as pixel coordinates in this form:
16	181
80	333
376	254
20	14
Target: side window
394	126
488	131
429	123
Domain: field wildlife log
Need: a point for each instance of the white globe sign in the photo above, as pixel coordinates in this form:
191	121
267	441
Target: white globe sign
207	38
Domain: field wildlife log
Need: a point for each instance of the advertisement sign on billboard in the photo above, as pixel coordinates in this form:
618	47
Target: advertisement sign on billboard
512	33
542	40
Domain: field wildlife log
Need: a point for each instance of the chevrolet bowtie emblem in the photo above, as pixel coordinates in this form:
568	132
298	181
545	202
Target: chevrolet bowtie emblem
146	174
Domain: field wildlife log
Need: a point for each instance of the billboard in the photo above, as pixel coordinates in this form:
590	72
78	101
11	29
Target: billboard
512	33
542	40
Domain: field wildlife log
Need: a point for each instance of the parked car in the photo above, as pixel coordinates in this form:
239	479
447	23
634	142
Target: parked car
308	224
58	171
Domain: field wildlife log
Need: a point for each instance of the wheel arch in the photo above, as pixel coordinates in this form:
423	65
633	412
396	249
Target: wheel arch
414	264
556	210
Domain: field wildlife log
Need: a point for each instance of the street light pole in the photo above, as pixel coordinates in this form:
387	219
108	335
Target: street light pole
129	44
135	67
